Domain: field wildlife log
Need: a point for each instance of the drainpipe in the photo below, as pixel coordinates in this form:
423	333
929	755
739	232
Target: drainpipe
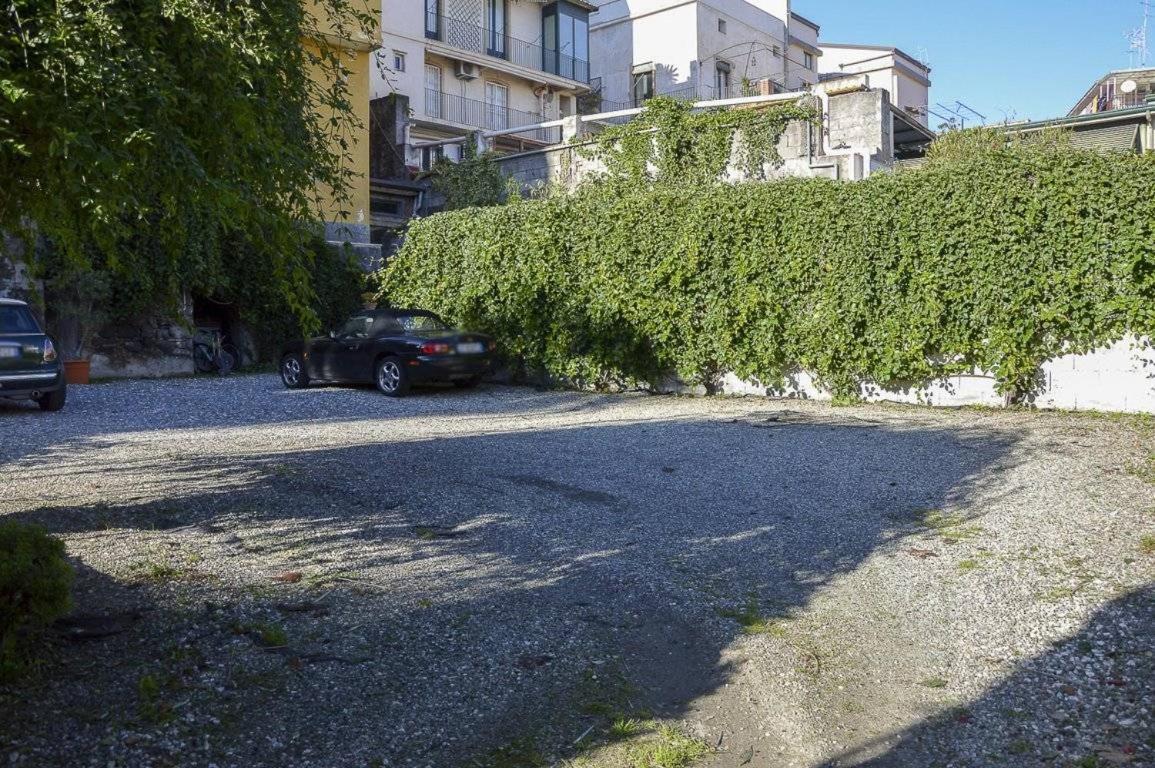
786	51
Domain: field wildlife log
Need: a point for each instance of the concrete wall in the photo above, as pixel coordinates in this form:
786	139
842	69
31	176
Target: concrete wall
859	120
1119	377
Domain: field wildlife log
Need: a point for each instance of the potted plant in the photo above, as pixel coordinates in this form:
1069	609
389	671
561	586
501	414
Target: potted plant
75	297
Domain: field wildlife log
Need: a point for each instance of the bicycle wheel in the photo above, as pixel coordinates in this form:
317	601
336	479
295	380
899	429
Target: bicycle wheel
226	363
203	360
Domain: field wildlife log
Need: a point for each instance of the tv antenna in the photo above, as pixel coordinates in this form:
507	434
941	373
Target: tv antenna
963	107
1138	38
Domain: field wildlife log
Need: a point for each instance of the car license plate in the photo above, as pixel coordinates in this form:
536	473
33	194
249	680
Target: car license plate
471	348
9	351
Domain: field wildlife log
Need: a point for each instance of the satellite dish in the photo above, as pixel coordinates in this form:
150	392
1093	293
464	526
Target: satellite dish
1129	86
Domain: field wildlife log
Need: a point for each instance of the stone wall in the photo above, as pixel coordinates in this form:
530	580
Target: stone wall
147	347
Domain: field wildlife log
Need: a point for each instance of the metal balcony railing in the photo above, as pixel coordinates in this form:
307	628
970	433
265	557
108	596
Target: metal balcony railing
487	116
492	42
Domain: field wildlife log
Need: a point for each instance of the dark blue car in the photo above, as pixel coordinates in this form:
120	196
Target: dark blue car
30	368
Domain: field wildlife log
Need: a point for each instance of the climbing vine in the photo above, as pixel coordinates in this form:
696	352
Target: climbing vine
670	140
996	259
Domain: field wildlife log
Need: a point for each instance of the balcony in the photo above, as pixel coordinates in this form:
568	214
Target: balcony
478	39
491	117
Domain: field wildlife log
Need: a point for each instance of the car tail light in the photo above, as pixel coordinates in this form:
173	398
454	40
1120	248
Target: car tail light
49	351
436	348
492	345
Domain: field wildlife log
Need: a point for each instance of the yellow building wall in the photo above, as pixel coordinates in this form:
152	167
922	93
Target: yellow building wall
357	55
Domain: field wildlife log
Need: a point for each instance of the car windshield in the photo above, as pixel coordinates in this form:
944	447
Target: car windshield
421	322
17	319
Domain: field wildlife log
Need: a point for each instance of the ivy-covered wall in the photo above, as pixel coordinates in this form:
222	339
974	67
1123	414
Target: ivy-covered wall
997	261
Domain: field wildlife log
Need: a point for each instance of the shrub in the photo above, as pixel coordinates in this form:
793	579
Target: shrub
997	260
34	590
337	282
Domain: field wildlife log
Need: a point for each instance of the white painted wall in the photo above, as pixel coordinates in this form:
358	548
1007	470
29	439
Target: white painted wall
1118	378
683	40
905	79
803	40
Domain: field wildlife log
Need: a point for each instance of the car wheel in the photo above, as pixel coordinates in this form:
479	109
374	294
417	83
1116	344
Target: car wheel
293	373
53	401
391	378
469	383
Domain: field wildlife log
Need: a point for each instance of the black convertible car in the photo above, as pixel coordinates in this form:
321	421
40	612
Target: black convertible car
392	348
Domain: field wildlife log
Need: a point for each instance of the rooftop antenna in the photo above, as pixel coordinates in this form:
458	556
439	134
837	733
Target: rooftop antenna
1138	38
979	115
950	122
957	117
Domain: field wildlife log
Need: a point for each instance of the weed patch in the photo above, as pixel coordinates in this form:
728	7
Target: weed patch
951	527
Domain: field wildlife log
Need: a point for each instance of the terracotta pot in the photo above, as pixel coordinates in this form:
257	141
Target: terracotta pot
76	371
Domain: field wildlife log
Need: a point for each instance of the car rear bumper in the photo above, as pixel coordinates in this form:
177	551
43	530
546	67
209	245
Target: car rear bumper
20	385
448	368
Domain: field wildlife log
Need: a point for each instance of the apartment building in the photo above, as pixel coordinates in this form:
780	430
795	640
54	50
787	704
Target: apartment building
461	66
1121	89
699	49
902	76
346	220
802	54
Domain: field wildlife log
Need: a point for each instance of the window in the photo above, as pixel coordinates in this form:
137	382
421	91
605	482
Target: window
722	26
722	79
433	19
642	86
17	319
356	327
433	94
565	38
496	106
387	206
430	156
808	60
495	13
398	61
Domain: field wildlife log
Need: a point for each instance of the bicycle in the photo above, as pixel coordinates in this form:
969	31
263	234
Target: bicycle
211	353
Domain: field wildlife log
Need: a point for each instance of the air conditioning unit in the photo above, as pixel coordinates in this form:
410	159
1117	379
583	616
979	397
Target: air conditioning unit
465	70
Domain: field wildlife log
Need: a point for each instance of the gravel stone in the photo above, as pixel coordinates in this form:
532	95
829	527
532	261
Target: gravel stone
333	578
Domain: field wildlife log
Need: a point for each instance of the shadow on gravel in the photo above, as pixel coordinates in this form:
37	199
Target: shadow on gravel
1087	702
501	584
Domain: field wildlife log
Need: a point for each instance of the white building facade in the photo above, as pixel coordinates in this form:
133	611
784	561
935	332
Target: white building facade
904	77
698	49
470	65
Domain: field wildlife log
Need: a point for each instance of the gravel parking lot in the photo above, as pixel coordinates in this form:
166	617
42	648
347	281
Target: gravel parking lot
495	578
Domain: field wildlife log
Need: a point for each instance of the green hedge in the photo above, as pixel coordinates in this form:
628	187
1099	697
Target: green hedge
35	578
998	261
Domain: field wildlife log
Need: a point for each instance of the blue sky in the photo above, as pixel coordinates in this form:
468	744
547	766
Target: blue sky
1026	59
